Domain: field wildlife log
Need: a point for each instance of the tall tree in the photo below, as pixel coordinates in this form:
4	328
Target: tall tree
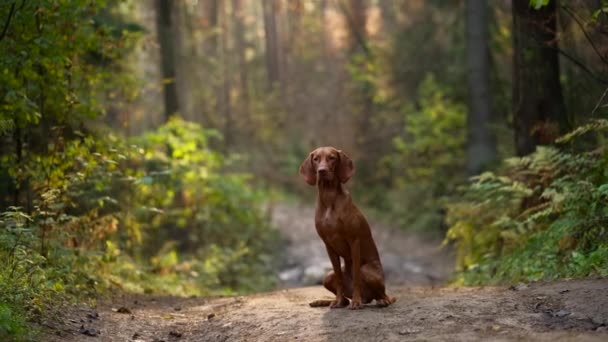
271	38
166	33
238	18
481	142
538	104
224	63
389	15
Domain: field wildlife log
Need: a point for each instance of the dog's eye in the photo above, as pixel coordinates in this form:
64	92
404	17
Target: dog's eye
332	157
315	158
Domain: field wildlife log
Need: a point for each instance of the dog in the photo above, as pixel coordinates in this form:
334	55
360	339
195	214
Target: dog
345	232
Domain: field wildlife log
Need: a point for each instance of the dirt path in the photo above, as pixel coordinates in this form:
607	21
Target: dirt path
568	310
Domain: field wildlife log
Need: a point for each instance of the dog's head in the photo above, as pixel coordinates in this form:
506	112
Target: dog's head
327	164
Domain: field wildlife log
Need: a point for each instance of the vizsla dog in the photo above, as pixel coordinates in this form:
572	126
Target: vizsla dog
345	232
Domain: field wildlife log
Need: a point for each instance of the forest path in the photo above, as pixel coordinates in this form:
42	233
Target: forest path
563	311
566	310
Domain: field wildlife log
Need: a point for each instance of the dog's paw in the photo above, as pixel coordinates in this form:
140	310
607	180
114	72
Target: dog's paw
386	301
355	305
341	303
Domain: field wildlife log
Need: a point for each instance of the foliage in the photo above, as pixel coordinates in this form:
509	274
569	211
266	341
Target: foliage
184	203
542	216
12	325
162	216
60	60
427	157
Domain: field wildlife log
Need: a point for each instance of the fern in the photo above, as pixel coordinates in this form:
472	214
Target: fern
542	216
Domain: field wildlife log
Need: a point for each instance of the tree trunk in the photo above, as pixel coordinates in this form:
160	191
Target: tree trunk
272	49
389	18
240	47
224	63
538	104
481	142
166	32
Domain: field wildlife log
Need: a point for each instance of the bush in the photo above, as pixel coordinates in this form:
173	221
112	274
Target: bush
159	214
426	158
543	216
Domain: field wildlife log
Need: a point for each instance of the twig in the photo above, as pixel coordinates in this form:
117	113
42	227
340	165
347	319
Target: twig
8	21
573	15
582	66
597	105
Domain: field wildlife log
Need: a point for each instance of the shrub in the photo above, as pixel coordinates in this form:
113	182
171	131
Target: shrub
542	216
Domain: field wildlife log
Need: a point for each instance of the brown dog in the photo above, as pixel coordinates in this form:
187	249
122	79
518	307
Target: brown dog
345	232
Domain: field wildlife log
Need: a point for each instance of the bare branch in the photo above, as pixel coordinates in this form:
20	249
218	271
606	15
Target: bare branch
8	21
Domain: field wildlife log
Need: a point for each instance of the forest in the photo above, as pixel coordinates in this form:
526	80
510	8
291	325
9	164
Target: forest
145	145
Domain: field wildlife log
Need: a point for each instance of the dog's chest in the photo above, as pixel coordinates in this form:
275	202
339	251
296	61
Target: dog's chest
327	222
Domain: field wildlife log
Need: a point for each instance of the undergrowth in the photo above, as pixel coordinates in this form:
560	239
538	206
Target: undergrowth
540	217
156	214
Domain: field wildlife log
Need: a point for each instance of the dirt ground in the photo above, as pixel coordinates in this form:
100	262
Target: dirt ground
415	269
562	311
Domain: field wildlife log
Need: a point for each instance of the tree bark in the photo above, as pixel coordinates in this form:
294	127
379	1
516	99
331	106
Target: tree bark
240	46
272	48
481	142
225	101
389	18
166	34
538	105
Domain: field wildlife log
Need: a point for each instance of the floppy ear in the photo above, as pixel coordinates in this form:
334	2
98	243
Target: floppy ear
346	169
308	172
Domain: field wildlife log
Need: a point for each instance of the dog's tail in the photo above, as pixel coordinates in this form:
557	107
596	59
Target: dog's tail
320	303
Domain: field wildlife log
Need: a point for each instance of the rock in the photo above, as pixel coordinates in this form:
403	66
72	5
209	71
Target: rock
93	315
175	334
89	331
314	274
210	316
409	331
519	287
602	329
292	275
561	313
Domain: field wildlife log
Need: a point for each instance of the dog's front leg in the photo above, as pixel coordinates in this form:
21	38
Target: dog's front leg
355	253
340	301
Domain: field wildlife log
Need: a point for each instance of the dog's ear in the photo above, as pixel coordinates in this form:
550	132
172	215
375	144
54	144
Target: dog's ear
308	171
346	169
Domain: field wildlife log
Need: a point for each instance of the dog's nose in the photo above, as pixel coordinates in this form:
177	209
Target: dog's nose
322	170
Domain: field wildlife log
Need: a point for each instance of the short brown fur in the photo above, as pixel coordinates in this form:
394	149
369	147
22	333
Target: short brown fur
345	232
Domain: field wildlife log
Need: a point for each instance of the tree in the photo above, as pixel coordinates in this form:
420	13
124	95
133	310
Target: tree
225	105
165	33
240	47
538	104
481	142
271	39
